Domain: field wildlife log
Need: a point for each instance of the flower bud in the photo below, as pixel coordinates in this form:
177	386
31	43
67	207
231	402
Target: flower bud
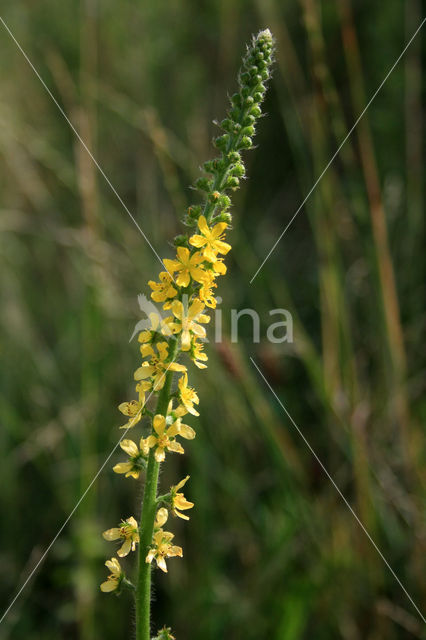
203	184
180	241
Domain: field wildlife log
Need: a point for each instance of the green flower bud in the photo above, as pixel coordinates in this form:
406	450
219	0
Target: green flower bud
248	120
236	100
227	124
234	156
255	112
194	211
232	183
203	184
238	170
224	201
181	241
245	143
225	216
222	142
248	131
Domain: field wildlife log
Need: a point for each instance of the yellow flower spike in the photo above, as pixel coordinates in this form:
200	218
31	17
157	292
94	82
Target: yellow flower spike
188	322
135	464
164	438
178	500
157	365
187	395
210	240
187	266
162	549
127	531
114	579
163	289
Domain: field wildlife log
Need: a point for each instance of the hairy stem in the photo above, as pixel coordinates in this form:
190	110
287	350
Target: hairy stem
146	525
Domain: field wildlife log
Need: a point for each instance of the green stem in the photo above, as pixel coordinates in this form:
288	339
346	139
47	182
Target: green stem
146	526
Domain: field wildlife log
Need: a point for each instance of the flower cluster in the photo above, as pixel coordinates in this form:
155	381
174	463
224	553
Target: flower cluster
186	290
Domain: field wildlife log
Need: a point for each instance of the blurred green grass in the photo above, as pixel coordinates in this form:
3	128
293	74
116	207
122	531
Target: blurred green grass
270	551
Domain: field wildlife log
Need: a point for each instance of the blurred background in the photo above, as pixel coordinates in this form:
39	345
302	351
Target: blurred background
271	550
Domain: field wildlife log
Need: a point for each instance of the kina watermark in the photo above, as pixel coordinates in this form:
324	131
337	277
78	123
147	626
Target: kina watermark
275	327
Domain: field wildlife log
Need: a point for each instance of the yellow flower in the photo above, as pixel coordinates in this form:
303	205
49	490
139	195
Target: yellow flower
187	322
187	395
114	579
137	457
162	549
157	366
164	437
197	355
157	324
211	239
187	266
163	289
133	409
179	501
127	531
205	292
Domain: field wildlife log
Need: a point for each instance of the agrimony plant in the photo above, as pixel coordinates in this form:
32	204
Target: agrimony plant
185	288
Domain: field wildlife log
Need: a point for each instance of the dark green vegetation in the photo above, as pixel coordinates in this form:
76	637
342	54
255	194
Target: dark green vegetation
271	552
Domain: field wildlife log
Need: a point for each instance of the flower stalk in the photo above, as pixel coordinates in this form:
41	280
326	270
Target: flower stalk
146	528
186	290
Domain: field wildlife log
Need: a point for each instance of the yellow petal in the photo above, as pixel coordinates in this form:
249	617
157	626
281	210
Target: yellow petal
112	534
129	408
163	350
135	473
151	441
159	454
186	432
161	517
222	247
145	371
123	467
159	424
183	279
176	447
174	429
181	515
197	241
176	367
161	564
171	265
125	549
132	522
218	229
129	447
185	340
109	585
196	307
114	566
198	330
180	484
150	556
177	309
203	226
183	254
